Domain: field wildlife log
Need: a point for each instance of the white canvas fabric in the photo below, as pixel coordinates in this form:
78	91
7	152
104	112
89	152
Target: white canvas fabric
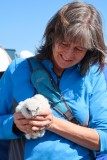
5	60
25	54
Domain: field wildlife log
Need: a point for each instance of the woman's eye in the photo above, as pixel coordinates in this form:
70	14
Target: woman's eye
65	44
79	49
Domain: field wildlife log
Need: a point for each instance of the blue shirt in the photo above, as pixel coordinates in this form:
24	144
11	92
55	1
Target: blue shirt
86	95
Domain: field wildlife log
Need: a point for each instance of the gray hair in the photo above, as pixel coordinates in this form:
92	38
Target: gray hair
76	21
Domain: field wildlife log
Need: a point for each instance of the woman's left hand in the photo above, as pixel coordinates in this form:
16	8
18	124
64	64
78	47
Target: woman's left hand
42	121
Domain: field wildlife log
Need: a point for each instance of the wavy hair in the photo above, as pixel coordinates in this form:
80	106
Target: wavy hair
76	21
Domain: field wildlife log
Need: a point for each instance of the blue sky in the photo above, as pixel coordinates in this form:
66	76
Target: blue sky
22	22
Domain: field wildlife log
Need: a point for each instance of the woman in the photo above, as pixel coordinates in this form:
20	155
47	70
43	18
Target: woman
73	51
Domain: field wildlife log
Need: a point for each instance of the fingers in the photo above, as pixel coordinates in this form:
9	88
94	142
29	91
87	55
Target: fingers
22	123
45	112
43	121
42	117
41	124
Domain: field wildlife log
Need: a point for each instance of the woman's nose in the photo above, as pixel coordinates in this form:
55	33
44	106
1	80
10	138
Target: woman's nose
69	53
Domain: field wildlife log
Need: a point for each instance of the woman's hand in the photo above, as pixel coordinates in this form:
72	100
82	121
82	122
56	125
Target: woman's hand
40	122
22	123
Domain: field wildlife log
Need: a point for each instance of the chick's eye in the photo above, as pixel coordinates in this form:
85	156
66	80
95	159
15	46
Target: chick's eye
28	110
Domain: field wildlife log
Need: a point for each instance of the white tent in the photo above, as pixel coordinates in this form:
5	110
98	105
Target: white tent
25	54
5	60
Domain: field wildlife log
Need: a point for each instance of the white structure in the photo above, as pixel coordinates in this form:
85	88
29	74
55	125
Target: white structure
11	52
5	60
25	54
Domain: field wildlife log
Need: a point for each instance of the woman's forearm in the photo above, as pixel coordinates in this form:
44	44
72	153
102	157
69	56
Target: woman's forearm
83	136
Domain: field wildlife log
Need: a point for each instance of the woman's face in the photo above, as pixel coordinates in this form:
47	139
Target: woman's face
66	55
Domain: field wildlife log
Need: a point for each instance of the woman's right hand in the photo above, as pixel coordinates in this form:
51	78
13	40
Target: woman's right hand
22	123
40	122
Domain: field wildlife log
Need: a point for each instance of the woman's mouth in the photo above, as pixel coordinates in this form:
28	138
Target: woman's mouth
65	59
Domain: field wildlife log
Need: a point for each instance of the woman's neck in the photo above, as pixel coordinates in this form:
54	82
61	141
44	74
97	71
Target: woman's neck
58	70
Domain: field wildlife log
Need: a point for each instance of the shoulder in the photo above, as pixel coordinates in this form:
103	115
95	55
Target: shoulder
17	69
18	63
96	77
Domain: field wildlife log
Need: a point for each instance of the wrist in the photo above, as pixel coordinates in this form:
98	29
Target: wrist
15	130
53	123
